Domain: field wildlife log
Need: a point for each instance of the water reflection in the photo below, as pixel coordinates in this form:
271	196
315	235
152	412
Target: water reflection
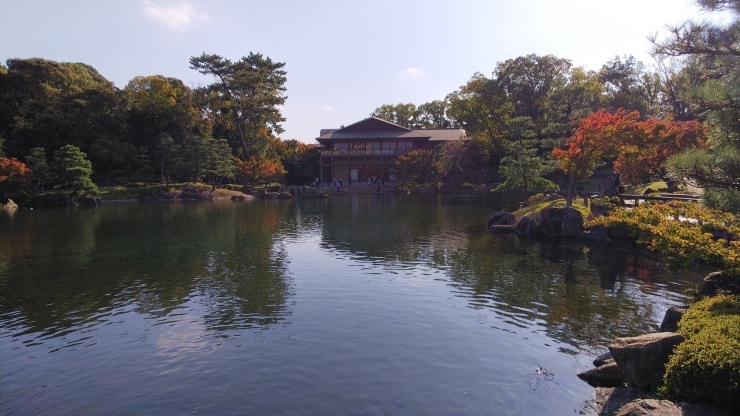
581	295
66	268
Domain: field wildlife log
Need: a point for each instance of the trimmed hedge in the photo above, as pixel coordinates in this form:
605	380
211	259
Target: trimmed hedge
706	367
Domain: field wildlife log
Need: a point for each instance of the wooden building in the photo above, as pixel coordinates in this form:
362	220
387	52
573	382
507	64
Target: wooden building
370	147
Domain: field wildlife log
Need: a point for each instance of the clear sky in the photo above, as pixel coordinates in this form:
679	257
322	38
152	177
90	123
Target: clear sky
343	58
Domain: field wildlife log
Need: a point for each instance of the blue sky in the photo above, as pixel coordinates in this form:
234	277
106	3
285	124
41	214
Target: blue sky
343	58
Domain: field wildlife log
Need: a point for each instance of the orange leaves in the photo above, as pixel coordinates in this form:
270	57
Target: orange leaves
599	136
657	140
255	171
640	147
13	171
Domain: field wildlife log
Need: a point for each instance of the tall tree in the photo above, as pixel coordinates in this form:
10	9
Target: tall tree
402	114
72	171
713	54
244	99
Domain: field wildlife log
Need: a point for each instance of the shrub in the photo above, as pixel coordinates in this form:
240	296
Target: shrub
657	226
233	187
706	367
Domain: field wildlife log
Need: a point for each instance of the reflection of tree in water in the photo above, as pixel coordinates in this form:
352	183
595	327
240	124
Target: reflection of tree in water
581	295
246	286
584	294
86	262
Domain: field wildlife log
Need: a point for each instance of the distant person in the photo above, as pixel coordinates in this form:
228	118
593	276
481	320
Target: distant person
334	182
349	181
340	181
617	188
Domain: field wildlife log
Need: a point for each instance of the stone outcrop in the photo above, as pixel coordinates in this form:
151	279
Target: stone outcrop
528	225
671	318
605	375
501	218
596	233
609	401
642	359
285	195
241	198
564	222
502	228
603	359
654	407
9	206
719	283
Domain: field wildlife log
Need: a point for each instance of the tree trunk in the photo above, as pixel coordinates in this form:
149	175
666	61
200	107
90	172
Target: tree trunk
571	188
243	144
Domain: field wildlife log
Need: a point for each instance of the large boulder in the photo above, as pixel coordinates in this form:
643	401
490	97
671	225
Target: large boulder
528	225
553	197
596	233
654	407
502	228
606	375
9	206
564	222
609	401
671	318
642	359
719	283
501	218
603	359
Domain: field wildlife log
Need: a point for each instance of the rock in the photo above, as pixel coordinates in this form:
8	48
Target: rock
564	222
671	318
502	228
501	218
285	195
529	225
596	233
719	283
269	195
238	198
642	359
552	197
610	400
603	359
607	375
10	205
654	407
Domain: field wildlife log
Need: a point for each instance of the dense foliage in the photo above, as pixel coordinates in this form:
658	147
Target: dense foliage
706	367
683	232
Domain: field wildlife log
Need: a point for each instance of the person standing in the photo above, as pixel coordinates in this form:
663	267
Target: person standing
349	181
340	181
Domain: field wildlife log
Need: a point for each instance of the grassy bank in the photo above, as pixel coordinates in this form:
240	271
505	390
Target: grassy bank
536	204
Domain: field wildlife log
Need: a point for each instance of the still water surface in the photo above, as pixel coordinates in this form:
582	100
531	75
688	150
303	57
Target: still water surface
356	305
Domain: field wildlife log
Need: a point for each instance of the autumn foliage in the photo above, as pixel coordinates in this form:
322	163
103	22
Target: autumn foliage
15	177
254	171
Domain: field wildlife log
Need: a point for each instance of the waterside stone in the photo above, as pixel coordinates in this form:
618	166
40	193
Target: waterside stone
642	359
671	318
564	222
606	375
719	283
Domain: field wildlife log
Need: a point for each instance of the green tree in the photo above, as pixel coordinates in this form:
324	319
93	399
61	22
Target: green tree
712	53
50	104
72	172
36	160
522	167
243	101
402	114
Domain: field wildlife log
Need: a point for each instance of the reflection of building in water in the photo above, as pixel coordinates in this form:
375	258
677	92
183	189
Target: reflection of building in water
370	147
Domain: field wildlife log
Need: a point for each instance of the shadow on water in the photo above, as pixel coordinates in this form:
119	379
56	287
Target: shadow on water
65	267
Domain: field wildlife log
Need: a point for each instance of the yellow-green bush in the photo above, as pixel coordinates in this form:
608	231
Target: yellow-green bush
659	228
706	367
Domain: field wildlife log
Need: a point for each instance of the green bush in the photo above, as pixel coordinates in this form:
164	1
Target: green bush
233	187
706	367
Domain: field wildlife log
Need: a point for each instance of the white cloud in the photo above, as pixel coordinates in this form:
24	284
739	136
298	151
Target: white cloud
327	108
176	16
411	74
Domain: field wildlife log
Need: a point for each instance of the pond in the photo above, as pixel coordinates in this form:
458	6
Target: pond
353	305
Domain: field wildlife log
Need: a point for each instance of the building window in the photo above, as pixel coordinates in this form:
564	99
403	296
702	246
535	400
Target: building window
342	145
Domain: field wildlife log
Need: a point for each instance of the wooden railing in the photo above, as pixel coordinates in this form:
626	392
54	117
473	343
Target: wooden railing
364	152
